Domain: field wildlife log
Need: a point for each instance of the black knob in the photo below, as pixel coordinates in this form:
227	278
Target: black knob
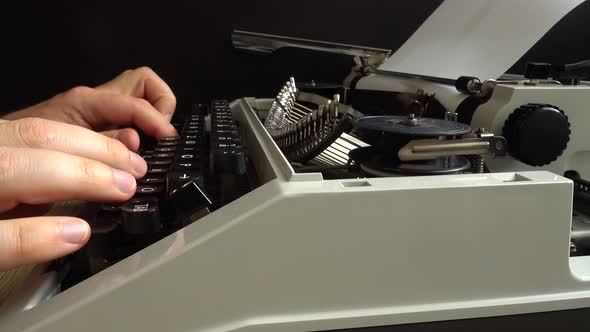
537	134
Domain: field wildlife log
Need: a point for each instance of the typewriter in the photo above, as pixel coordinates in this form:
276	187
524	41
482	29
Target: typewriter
390	198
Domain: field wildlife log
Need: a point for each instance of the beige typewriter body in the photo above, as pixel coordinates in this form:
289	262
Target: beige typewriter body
304	253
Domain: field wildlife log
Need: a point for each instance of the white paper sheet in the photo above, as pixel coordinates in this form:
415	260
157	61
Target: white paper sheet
481	38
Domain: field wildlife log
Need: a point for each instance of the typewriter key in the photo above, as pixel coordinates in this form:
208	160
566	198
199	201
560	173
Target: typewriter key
151	180
170	139
141	216
158	161
149	189
164	149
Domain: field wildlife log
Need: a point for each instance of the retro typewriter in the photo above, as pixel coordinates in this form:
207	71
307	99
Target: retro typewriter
390	198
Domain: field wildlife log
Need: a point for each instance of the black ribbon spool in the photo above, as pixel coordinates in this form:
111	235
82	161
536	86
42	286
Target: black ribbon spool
388	134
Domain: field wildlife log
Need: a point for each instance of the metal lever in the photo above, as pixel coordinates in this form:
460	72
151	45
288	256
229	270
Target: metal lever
425	149
267	44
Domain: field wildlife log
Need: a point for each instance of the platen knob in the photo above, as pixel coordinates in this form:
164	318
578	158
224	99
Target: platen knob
537	134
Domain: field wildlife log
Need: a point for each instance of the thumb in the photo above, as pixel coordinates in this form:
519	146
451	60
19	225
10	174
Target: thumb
40	239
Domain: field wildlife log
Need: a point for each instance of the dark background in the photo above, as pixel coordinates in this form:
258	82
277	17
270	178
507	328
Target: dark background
50	46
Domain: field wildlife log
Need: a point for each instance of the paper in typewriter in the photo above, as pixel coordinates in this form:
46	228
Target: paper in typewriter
481	38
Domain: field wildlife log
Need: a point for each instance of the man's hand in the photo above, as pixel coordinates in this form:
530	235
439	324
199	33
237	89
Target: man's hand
49	153
136	98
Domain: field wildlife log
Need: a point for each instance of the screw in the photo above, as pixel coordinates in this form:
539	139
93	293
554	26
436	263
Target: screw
478	164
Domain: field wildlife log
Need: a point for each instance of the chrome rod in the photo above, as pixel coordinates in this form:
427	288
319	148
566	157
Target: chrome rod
267	44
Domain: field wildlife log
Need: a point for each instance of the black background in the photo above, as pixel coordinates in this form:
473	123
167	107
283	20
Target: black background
50	46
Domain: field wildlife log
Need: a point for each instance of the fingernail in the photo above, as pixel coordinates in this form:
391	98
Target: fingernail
139	165
125	182
73	231
168	116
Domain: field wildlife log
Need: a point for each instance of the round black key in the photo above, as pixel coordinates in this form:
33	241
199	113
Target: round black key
158	161
158	170
227	145
163	155
141	216
111	207
165	149
187	166
149	189
187	156
170	143
175	180
227	132
195	160
190	142
152	179
170	139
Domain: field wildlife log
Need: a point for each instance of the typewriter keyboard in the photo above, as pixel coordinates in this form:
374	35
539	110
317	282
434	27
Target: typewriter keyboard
188	176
